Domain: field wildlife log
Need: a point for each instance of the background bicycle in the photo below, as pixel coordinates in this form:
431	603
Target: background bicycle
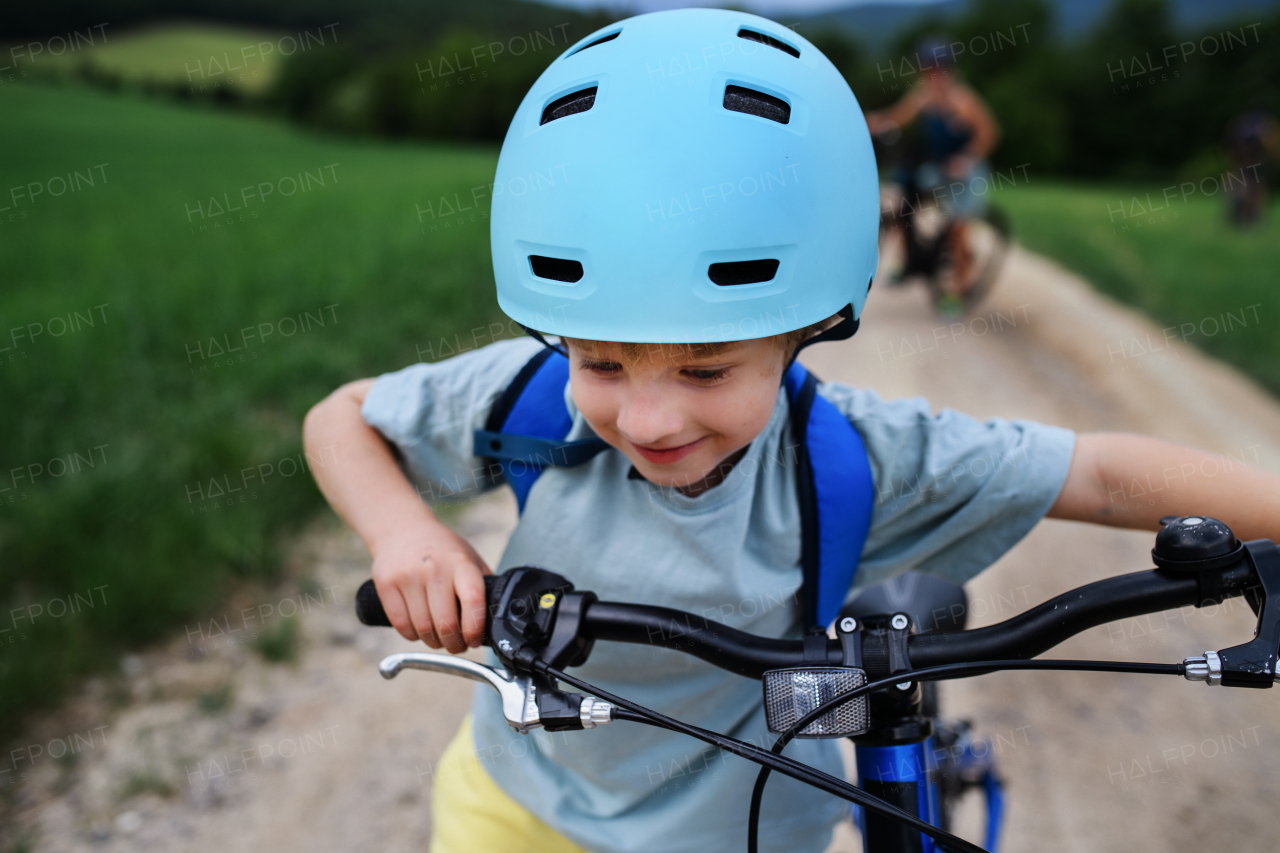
922	237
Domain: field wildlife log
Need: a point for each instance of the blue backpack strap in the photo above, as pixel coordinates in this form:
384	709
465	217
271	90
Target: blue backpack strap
527	425
836	497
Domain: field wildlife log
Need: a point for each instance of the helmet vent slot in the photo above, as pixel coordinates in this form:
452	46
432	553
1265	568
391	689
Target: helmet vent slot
742	272
602	40
574	102
558	269
752	35
751	102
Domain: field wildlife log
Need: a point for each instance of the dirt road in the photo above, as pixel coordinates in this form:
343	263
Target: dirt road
202	745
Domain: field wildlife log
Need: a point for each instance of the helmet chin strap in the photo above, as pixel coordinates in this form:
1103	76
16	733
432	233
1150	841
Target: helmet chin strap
842	330
537	336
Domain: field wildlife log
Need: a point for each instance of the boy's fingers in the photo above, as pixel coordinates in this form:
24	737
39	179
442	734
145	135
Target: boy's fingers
444	611
420	612
397	612
470	588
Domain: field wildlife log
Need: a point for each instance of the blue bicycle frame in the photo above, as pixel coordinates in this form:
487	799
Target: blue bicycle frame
899	775
909	776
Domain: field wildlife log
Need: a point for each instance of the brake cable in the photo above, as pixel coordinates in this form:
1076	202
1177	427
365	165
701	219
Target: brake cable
934	673
769	760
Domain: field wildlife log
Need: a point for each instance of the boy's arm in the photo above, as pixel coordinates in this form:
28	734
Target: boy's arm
421	568
1125	480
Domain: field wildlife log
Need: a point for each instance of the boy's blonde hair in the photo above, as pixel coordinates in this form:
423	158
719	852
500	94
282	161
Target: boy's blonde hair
786	344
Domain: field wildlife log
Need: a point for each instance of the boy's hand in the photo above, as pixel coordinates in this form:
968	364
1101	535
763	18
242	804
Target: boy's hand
431	582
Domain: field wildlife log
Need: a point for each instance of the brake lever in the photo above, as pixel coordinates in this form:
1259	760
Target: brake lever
528	701
1257	662
518	692
1202	547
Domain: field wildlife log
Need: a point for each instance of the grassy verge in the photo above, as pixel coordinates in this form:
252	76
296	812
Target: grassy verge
180	286
1179	261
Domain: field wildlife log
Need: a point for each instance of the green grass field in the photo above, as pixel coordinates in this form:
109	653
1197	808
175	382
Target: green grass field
212	334
182	284
1179	261
188	53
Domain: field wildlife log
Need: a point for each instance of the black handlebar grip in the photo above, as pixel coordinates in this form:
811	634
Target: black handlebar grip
369	606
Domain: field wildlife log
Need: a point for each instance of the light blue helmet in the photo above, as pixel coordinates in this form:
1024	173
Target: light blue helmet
686	176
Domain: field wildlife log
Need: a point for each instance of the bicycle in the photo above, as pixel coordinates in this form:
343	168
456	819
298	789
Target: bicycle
932	235
867	682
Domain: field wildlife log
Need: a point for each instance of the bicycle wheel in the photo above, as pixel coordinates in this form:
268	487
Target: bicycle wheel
985	242
989	239
897	235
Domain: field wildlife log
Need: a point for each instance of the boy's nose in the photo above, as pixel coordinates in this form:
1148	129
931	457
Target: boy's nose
647	417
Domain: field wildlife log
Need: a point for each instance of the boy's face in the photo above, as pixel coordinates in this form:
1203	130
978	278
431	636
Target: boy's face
675	415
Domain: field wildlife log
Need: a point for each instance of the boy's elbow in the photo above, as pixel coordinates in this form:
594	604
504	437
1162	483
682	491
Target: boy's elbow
341	405
313	425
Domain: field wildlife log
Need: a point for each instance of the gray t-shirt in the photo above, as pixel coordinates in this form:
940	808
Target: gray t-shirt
952	495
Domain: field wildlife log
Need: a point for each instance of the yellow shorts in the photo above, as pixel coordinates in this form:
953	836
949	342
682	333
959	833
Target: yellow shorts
471	814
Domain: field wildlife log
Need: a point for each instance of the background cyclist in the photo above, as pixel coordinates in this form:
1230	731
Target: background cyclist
957	131
1251	141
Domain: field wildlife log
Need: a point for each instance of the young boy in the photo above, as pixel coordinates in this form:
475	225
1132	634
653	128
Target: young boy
687	197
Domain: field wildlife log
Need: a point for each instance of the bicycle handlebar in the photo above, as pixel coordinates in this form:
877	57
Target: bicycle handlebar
1039	629
1021	637
536	614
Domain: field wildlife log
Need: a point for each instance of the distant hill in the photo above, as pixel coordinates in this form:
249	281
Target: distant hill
185	54
1194	15
876	24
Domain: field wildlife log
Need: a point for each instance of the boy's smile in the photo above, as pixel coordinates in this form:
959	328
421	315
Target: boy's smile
678	414
666	455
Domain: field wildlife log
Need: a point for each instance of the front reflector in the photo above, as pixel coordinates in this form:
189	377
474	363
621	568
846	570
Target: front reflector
789	694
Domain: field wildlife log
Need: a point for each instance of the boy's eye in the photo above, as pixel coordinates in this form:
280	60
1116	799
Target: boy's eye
602	367
706	374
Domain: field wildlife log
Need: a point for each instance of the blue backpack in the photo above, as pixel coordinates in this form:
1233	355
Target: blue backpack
525	435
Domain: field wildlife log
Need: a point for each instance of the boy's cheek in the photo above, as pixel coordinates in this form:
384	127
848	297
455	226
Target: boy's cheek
603	427
599	412
595	407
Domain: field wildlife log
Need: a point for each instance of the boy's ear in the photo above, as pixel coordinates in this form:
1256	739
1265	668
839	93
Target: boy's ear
844	327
